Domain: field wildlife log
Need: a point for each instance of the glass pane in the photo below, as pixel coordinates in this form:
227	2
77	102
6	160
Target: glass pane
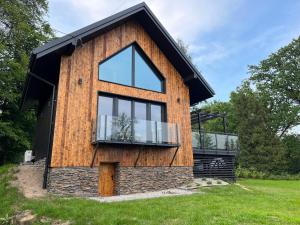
105	105
195	139
118	68
156	113
221	141
156	116
233	143
145	77
122	123
140	110
124	108
140	123
105	109
209	141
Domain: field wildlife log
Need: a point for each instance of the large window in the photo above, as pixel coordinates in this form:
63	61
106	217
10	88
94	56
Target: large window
131	67
132	109
127	120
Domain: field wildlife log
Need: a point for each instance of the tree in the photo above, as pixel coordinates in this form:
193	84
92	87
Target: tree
277	78
260	147
22	28
184	48
292	153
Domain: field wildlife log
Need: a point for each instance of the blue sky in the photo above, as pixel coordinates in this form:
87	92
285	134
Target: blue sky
224	36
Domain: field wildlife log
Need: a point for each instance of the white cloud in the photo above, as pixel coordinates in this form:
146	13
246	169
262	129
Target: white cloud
183	19
272	39
209	53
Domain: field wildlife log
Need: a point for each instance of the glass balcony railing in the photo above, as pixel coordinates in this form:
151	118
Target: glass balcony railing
135	131
215	141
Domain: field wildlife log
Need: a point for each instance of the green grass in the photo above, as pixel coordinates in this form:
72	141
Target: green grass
268	202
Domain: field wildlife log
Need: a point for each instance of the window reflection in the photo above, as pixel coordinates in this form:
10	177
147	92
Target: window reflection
145	76
121	69
117	69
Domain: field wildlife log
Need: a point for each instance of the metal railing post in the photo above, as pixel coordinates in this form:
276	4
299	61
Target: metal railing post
227	143
199	128
202	136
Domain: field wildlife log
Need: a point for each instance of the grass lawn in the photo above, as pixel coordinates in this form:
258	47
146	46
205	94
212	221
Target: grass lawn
267	202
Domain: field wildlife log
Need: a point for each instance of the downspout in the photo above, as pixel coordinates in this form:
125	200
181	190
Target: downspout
51	123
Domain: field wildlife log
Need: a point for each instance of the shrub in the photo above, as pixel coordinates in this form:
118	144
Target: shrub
255	174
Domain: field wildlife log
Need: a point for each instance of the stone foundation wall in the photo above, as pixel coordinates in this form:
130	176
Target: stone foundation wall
83	181
78	181
142	179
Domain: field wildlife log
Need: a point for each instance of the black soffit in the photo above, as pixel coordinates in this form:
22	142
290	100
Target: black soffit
199	88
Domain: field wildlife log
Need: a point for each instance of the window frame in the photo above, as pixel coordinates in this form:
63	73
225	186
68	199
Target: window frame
115	100
139	50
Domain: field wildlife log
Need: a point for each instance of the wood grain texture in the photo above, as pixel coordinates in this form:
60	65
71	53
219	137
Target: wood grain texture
77	104
106	179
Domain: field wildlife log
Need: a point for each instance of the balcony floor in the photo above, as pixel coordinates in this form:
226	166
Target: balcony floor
123	143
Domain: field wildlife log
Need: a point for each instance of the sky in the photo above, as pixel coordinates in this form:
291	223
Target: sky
224	36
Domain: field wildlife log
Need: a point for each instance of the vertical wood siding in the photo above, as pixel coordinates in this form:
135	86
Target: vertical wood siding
77	104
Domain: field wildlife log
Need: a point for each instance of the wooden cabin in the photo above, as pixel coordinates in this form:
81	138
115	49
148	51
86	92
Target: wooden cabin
113	104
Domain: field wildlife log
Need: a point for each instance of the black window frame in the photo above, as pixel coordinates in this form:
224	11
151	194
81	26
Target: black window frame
139	50
148	103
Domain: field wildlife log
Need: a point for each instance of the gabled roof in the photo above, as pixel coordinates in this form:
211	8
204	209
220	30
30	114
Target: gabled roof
199	88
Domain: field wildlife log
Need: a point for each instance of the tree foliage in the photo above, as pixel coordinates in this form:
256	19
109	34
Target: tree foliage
22	28
277	79
260	147
184	48
292	153
216	125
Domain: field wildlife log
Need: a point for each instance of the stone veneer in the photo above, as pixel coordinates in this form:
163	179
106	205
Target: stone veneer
142	179
78	181
83	181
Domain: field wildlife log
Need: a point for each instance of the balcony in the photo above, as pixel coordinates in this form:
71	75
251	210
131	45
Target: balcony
215	143
124	130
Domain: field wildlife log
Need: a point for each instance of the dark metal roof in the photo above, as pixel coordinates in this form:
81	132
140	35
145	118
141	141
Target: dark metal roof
199	88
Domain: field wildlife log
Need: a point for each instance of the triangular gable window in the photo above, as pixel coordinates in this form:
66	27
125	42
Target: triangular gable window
131	67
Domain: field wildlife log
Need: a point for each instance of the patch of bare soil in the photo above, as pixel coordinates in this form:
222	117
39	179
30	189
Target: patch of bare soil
29	180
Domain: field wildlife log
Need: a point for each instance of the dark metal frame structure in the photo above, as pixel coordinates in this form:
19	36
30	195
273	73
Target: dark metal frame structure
216	163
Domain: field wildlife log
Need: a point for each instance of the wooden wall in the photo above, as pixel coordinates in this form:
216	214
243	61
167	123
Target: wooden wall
77	104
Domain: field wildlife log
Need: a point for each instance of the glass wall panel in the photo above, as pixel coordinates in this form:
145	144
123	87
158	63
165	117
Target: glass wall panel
145	77
118	69
156	115
122	123
105	111
140	122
